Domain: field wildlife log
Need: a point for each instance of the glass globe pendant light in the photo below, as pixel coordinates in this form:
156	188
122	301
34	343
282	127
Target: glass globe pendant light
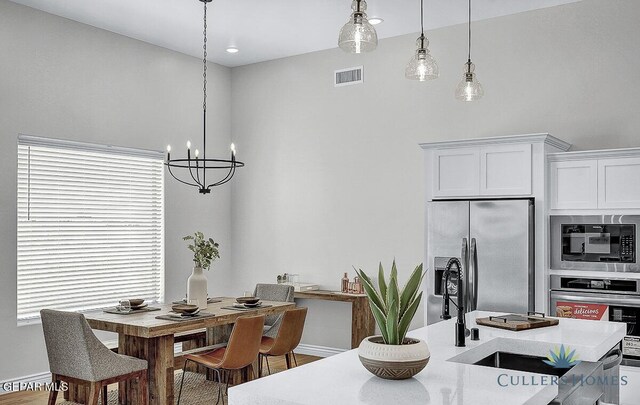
422	66
469	88
358	35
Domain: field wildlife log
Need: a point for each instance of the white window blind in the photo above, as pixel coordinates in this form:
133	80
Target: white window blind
90	225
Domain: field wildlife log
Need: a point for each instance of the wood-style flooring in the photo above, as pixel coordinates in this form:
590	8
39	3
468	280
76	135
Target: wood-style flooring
277	364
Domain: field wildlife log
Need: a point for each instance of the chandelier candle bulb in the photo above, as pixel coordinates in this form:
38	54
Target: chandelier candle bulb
188	144
197	153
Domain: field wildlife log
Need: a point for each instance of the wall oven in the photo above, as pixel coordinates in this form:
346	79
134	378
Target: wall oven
595	243
607	299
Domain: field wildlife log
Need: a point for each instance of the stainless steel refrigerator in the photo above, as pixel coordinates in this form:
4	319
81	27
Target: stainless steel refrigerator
494	240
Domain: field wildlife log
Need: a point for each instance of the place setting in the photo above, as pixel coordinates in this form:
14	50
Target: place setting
210	300
247	304
131	306
185	312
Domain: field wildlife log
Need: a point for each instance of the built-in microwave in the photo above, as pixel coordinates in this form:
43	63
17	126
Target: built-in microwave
595	242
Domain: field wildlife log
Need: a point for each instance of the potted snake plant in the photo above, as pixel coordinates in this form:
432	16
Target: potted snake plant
392	355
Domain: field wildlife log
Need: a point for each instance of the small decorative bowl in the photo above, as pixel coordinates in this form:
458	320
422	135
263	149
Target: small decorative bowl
184	308
248	300
136	302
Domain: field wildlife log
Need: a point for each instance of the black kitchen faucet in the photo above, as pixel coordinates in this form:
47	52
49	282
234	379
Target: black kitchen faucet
460	329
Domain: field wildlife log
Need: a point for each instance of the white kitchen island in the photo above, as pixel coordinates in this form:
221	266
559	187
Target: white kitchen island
447	379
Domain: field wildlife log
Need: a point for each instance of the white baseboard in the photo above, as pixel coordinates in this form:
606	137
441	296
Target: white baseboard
318	351
41	378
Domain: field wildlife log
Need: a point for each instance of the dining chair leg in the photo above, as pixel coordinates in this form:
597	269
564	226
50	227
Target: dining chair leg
219	386
229	373
104	395
94	393
53	394
266	358
184	371
143	385
259	365
287	359
295	361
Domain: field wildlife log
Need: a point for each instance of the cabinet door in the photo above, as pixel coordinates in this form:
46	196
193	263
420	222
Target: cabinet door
574	184
619	183
505	170
456	172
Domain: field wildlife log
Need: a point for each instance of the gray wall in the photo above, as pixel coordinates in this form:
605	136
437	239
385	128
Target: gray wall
62	79
335	174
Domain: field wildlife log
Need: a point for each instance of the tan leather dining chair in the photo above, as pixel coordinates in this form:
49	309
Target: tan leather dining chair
287	339
77	356
240	352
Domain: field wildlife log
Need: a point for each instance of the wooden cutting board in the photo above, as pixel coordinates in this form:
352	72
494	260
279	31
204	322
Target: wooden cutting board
517	322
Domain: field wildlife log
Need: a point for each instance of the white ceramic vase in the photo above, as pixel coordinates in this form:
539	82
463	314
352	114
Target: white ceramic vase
197	287
393	362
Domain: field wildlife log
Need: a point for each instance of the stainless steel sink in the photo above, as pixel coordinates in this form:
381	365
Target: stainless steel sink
520	362
571	390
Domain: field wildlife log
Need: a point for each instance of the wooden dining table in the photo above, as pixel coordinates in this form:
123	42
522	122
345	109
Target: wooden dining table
142	335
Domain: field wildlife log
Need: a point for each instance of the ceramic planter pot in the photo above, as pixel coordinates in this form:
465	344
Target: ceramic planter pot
393	362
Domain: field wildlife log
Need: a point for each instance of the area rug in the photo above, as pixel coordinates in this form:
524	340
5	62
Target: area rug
197	391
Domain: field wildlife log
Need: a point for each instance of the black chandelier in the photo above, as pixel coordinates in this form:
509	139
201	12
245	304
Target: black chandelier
196	166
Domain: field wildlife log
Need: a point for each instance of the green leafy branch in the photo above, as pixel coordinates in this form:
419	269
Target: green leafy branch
205	251
393	309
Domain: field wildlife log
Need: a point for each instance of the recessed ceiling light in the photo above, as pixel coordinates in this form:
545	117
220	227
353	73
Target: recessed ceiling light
232	49
375	20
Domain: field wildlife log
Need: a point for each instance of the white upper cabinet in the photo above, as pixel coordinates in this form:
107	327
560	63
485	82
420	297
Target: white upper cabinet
508	166
456	172
574	184
619	183
495	170
595	179
505	170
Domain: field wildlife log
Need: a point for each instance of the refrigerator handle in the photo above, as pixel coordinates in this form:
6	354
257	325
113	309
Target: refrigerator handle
464	255
464	259
473	276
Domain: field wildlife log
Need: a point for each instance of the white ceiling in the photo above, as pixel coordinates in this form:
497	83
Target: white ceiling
266	29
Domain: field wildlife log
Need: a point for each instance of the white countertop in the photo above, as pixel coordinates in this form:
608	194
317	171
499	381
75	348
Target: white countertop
341	379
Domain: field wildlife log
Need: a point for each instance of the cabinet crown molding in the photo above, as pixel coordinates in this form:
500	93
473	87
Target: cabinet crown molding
498	140
594	154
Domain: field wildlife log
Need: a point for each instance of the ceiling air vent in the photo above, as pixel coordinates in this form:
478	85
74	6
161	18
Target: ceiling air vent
347	77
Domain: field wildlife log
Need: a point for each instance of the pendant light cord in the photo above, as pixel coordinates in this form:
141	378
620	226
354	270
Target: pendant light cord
469	57
422	16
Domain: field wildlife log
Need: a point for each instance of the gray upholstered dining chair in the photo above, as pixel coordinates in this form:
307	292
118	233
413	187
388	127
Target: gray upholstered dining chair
273	292
77	356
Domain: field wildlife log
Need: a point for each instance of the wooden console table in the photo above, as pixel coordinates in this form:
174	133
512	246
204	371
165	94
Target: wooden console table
363	323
